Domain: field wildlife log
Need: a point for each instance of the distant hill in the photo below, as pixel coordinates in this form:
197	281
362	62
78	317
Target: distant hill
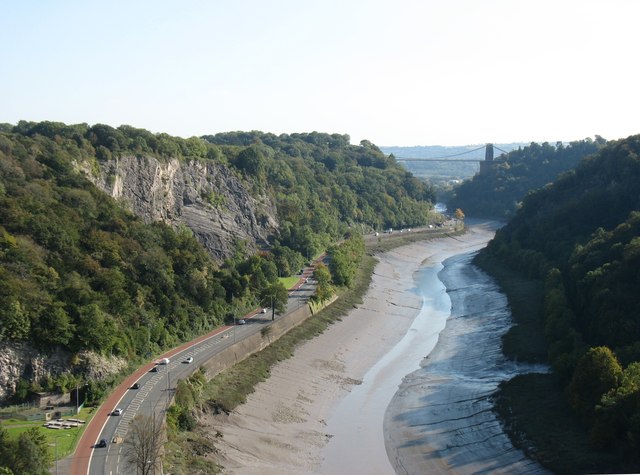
451	170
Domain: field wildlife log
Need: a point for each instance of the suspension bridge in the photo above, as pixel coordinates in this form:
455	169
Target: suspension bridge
488	156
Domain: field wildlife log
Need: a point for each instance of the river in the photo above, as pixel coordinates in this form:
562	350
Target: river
436	385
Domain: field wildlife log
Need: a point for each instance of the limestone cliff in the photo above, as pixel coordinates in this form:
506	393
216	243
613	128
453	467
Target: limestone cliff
19	360
205	196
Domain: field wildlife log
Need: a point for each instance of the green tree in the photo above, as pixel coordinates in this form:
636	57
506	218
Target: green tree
96	329
287	260
598	372
33	456
276	297
344	260
324	289
252	161
55	326
15	322
618	415
6	448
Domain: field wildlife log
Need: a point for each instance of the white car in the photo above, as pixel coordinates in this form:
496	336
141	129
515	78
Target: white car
189	360
241	322
264	310
117	412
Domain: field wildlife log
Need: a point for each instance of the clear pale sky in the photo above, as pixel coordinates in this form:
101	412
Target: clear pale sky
396	72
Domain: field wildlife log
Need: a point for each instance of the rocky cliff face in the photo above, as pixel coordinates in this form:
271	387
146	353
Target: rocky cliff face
18	360
205	196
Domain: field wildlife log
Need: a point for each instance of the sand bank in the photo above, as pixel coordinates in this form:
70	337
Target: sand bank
322	410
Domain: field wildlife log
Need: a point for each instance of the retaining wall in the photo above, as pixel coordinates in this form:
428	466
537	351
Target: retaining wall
254	343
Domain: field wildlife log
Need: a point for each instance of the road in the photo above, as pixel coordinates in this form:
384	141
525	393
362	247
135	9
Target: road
156	388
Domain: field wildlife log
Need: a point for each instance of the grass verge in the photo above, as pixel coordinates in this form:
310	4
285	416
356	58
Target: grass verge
289	282
62	441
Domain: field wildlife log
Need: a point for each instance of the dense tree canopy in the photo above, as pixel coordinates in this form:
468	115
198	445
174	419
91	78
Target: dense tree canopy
28	454
582	235
321	183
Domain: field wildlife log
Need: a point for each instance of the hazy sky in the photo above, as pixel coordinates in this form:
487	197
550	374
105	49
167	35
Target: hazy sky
396	72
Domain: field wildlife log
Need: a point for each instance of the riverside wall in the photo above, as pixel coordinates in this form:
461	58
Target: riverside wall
256	342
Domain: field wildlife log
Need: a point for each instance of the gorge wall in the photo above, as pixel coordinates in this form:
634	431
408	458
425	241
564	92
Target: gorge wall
204	196
19	360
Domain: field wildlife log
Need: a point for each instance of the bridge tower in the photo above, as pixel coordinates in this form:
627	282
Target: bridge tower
488	159
488	153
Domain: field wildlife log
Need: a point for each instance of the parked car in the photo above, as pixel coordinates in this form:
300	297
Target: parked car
189	360
117	412
241	322
102	443
264	310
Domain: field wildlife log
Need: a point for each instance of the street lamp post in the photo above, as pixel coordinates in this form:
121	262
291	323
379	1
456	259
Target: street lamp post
234	321
168	385
273	310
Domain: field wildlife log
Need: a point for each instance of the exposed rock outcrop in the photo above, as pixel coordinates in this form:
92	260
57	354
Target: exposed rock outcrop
204	196
18	360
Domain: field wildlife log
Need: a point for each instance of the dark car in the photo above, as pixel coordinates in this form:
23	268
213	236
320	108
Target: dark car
154	369
102	443
135	386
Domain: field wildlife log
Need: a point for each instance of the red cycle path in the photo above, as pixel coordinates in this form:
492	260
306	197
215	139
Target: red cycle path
82	456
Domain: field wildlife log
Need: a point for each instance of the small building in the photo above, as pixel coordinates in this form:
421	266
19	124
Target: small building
46	400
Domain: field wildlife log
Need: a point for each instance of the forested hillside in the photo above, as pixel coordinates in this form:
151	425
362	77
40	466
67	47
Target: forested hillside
79	272
582	236
320	181
498	190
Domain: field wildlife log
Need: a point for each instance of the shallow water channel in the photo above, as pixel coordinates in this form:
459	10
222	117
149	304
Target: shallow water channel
441	420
